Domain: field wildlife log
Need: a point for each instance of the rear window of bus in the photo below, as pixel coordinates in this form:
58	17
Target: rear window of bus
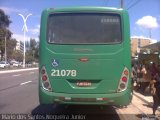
84	28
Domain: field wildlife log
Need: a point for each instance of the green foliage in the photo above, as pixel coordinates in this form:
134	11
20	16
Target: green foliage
17	55
32	53
4	32
4	19
11	44
12	53
33	44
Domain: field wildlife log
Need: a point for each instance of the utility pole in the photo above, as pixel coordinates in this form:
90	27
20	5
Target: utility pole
24	29
5	54
150	33
122	4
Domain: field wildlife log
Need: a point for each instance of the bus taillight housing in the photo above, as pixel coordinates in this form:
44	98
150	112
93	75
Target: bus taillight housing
45	80
123	82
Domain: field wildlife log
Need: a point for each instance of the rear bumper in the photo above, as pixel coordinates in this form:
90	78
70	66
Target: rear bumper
123	98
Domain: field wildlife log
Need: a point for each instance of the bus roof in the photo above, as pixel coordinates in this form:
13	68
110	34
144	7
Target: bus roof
85	9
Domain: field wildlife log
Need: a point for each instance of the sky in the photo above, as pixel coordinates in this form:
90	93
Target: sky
144	15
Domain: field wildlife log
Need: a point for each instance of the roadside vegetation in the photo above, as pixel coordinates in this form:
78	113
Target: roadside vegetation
13	54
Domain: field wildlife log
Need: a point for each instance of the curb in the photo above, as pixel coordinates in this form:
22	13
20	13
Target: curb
19	70
144	100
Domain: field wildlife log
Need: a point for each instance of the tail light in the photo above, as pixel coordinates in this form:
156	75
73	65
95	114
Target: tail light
44	77
123	82
124	79
45	80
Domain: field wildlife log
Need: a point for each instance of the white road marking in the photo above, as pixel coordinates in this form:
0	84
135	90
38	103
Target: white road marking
25	83
16	75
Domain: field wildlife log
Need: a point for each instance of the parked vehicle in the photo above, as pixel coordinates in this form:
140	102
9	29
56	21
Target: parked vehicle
29	64
16	64
4	64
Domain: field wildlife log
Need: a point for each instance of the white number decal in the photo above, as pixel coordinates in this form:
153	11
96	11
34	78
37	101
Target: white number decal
63	73
53	72
73	73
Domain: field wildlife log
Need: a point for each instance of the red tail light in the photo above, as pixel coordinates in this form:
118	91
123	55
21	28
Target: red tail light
124	79
45	80
123	83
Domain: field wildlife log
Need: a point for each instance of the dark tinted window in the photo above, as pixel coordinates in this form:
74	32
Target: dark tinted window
82	28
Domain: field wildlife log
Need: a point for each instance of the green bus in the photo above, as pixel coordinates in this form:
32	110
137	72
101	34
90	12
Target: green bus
85	56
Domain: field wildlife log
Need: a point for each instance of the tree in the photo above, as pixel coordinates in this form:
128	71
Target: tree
33	44
4	32
11	44
37	51
17	55
32	53
29	57
4	19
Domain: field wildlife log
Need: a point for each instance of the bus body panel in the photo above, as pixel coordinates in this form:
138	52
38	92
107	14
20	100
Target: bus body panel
123	98
102	70
103	67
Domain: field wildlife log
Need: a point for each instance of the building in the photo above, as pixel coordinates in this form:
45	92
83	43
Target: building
145	50
137	43
19	46
153	48
151	53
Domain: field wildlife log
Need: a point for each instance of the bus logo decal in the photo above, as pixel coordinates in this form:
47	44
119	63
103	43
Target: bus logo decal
55	63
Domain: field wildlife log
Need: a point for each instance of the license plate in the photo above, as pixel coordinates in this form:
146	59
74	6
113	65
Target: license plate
84	83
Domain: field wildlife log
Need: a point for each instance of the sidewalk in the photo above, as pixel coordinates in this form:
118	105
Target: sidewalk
147	99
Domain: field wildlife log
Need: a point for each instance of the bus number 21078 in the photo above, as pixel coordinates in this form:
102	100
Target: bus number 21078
63	73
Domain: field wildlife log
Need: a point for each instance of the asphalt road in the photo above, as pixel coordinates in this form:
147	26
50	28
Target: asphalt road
18	91
19	96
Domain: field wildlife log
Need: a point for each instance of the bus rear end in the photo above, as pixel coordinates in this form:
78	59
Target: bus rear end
84	56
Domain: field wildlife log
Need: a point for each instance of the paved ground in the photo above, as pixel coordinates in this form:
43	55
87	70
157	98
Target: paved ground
19	94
